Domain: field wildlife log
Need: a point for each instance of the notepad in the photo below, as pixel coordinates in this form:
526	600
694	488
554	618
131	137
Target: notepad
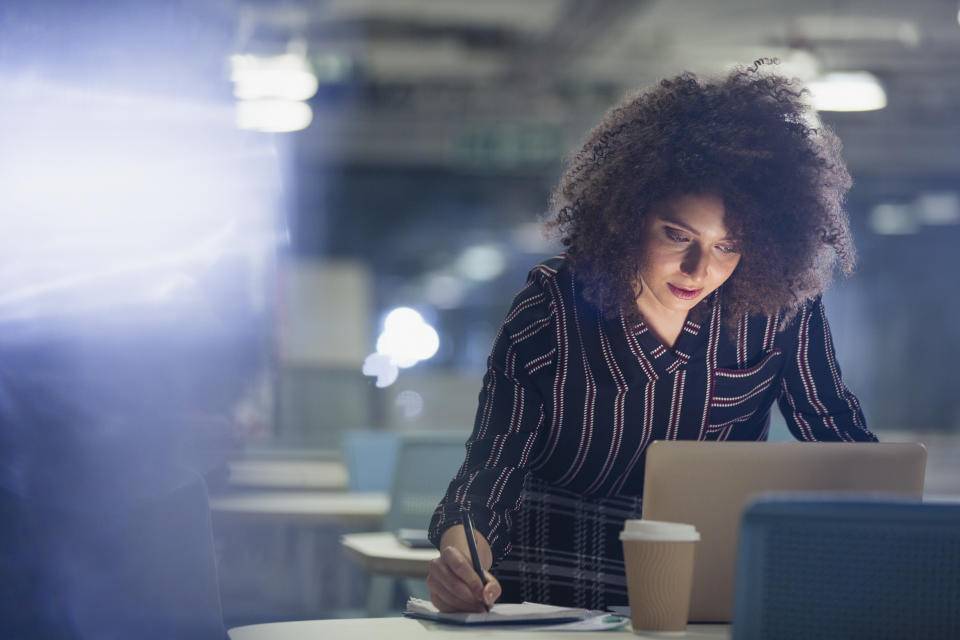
506	613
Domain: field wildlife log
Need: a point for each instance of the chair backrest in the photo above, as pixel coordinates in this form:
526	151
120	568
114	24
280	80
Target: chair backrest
371	459
426	462
848	569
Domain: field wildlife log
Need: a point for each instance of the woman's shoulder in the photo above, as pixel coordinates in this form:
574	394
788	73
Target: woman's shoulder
786	324
546	284
556	268
550	276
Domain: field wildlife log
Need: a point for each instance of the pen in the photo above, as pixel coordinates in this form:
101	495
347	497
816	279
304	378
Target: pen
474	554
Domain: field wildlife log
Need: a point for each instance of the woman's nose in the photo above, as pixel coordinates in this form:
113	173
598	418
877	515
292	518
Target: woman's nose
695	263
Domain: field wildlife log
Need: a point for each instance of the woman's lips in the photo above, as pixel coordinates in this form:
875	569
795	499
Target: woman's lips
684	294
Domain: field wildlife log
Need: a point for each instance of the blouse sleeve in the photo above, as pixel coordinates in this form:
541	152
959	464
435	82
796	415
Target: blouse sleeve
813	399
507	425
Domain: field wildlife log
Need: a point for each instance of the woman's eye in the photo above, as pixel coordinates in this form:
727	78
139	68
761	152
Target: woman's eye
675	235
724	248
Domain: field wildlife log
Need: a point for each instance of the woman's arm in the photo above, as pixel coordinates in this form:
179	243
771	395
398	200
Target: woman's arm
506	431
813	398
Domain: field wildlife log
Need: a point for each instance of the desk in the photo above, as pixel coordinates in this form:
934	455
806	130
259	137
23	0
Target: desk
409	629
303	507
305	510
381	553
277	473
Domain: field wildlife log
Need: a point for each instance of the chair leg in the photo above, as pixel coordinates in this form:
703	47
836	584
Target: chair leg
307	561
415	588
380	591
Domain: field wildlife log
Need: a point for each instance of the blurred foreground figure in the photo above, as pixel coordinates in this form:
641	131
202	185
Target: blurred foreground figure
104	522
135	224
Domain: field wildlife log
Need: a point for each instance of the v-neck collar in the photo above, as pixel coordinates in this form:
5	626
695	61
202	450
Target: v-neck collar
663	359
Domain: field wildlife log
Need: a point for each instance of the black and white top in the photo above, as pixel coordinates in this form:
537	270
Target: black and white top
571	400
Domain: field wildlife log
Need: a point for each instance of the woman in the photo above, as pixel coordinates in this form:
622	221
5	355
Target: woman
702	221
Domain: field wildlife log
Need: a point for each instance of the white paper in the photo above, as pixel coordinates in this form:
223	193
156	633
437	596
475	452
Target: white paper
499	613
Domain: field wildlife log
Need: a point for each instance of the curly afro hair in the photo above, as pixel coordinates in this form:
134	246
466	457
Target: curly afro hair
748	138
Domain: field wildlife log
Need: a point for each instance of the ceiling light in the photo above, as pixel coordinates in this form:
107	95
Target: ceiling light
444	291
847	91
893	220
273	116
286	76
938	209
481	262
799	63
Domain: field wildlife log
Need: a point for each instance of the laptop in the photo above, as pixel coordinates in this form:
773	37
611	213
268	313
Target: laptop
708	484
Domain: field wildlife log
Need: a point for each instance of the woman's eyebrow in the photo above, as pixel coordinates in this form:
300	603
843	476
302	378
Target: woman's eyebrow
680	223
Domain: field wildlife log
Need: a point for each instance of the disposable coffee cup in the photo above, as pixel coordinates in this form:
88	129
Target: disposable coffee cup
658	559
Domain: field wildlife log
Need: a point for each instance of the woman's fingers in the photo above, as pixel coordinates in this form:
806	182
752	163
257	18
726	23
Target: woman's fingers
492	590
450	590
454	584
441	604
461	567
447	602
442	599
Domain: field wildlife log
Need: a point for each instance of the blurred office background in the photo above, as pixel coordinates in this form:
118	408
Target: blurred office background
315	214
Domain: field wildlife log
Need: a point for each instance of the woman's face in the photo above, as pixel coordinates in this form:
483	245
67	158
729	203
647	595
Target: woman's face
687	254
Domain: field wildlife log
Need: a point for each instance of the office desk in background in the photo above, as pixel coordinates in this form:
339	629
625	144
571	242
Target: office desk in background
409	629
381	553
305	512
303	507
288	474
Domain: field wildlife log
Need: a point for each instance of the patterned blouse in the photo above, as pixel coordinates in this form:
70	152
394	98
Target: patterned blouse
571	400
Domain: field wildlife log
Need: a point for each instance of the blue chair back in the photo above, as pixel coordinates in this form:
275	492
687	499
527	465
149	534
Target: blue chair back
847	569
371	459
420	467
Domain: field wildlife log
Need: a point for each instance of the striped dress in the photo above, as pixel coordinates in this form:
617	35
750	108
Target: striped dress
571	400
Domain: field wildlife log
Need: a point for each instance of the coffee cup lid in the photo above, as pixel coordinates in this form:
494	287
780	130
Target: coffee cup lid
656	530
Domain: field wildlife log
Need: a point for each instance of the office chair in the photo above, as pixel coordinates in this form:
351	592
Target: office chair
426	462
371	459
846	569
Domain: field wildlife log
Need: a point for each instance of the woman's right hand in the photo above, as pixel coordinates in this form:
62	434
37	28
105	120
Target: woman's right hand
454	585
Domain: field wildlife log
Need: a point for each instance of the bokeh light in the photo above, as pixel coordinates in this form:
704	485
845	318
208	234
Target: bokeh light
407	338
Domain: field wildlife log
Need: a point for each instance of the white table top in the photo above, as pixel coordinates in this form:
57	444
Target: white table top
408	629
311	507
323	475
381	553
